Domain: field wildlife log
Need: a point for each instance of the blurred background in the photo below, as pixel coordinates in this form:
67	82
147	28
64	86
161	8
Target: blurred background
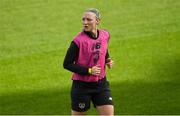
35	35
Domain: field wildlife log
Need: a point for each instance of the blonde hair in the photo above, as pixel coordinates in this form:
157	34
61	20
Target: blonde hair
95	11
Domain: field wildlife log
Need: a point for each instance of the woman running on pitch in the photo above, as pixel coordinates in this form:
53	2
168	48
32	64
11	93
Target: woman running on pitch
87	58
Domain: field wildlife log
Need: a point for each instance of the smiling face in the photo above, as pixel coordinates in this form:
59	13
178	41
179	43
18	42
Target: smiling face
89	21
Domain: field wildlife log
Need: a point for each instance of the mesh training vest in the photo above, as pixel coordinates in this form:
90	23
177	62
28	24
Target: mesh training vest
91	52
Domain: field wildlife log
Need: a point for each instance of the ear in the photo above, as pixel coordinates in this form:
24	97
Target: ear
97	21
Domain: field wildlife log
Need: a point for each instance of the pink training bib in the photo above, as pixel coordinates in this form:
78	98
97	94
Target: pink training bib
91	52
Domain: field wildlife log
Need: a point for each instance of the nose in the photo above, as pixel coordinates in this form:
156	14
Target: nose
85	22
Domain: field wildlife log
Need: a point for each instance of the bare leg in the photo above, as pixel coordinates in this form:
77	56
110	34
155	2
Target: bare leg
106	110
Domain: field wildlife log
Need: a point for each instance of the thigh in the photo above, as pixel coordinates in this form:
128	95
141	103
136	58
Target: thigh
105	109
80	103
80	100
103	97
103	103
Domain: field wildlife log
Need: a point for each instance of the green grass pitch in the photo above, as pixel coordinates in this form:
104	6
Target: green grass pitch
145	46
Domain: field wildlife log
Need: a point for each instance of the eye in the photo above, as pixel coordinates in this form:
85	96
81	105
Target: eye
89	19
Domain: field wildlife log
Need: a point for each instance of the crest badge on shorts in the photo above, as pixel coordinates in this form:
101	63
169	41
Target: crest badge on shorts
82	105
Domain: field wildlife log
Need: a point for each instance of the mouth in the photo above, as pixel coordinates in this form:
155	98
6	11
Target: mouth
85	26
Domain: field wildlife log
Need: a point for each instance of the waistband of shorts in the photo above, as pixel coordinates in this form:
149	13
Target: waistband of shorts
91	83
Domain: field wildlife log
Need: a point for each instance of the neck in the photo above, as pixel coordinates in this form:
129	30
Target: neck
94	32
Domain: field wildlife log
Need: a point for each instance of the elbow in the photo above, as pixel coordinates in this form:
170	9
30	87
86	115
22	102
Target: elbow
64	65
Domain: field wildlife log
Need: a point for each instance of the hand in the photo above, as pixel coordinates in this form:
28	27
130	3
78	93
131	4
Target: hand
109	63
96	70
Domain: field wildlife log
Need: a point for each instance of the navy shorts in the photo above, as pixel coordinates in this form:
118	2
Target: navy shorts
82	93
